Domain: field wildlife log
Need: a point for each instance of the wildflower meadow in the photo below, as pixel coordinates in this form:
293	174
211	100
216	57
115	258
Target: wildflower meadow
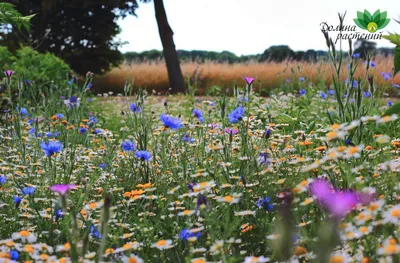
308	174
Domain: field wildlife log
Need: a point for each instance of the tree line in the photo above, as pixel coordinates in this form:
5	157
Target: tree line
274	53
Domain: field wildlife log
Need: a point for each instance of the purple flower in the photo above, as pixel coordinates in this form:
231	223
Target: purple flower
389	103
82	130
8	73
231	131
372	64
356	55
355	83
186	138
386	76
236	115
302	92
322	95
249	80
143	155
338	203
301	79
62	189
265	203
170	122
198	114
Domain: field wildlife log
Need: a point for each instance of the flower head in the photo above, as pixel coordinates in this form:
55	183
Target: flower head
134	108
28	190
9	73
302	92
236	115
72	101
62	189
187	234
143	155
265	203
51	147
170	122
198	114
249	80
128	146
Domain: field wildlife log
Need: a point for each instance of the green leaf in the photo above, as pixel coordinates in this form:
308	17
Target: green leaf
311	127
367	16
394	109
357	21
383	23
376	16
361	21
396	60
394	38
285	118
383	15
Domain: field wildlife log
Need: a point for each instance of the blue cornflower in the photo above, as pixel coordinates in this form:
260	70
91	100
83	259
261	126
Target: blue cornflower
185	234
134	108
60	115
14	254
29	190
32	131
128	145
97	131
103	165
345	96
59	213
386	76
51	147
355	83
22	111
95	232
367	94
143	155
265	203
30	121
356	55
352	100
302	92
49	134
82	130
3	179
56	134
301	79
322	95
17	199
389	103
372	64
187	138
394	85
93	119
331	92
72	101
236	115
198	114
170	122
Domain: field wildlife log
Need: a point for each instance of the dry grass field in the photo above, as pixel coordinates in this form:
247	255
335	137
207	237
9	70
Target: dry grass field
153	74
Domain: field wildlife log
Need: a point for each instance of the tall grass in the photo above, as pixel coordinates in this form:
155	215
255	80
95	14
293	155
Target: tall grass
153	74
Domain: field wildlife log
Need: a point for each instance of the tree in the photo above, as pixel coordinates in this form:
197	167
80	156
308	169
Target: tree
364	47
10	16
175	76
79	31
277	53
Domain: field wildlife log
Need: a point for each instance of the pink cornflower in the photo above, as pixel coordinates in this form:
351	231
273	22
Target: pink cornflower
62	189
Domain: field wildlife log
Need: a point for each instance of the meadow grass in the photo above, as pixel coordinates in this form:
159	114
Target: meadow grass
309	174
153	74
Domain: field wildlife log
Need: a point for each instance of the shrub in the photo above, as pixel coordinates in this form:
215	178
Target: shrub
35	66
6	58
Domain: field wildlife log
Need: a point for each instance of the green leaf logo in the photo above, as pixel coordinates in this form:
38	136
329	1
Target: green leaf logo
373	22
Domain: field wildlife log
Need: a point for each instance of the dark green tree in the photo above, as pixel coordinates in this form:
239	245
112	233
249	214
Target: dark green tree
277	53
82	32
364	47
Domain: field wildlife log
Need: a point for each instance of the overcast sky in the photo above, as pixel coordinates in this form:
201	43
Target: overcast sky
247	26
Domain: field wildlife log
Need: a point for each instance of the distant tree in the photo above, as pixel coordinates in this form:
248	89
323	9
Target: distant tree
79	31
277	53
363	47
